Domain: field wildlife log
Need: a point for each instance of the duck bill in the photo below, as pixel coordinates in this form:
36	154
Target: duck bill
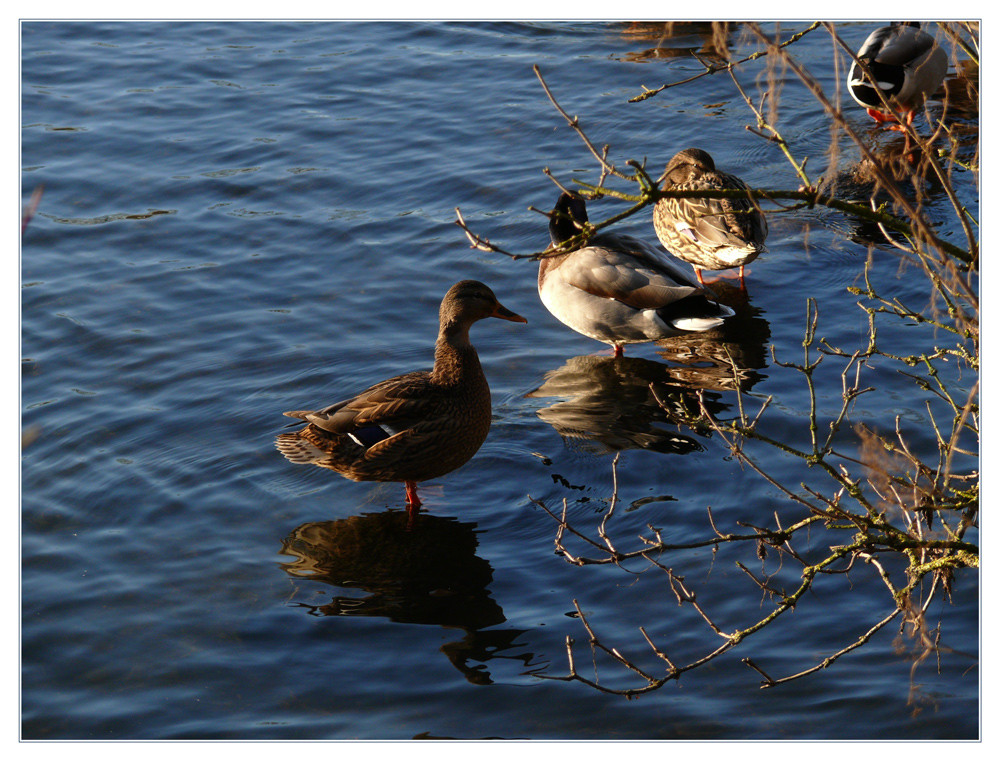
505	314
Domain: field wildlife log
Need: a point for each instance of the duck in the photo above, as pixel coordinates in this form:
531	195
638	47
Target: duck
413	427
619	289
708	233
907	66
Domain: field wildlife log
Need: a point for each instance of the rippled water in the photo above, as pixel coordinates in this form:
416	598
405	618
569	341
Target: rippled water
244	218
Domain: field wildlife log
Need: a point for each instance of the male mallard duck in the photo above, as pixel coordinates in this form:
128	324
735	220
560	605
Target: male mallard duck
707	233
907	65
416	426
619	289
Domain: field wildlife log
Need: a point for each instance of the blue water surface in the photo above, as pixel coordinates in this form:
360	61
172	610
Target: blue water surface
243	218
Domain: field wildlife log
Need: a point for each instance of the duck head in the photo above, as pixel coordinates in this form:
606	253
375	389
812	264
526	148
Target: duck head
469	301
687	165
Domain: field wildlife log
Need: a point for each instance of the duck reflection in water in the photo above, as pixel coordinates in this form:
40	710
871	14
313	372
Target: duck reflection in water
706	41
428	576
610	404
890	169
728	358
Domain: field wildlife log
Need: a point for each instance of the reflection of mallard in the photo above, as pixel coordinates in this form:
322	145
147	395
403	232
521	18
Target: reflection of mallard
724	359
622	403
708	41
416	426
888	171
428	576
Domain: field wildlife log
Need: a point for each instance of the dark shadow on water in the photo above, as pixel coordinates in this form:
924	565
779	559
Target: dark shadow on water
726	358
610	404
704	40
427	574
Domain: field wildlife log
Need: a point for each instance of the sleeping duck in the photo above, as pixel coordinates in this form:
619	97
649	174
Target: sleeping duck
907	66
707	233
618	289
412	427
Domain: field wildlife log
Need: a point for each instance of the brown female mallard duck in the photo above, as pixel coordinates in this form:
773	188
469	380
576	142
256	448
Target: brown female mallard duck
619	289
707	233
412	427
906	65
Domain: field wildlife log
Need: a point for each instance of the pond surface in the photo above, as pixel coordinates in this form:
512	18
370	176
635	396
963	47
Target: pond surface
240	219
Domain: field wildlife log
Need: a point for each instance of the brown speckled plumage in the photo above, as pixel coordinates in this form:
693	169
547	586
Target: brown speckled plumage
708	233
416	426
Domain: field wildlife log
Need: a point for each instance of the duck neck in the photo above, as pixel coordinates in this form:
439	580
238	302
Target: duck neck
547	263
455	358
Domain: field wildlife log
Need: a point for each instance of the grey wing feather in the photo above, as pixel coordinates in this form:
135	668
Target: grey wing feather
628	270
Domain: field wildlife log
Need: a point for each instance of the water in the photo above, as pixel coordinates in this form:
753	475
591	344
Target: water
244	218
